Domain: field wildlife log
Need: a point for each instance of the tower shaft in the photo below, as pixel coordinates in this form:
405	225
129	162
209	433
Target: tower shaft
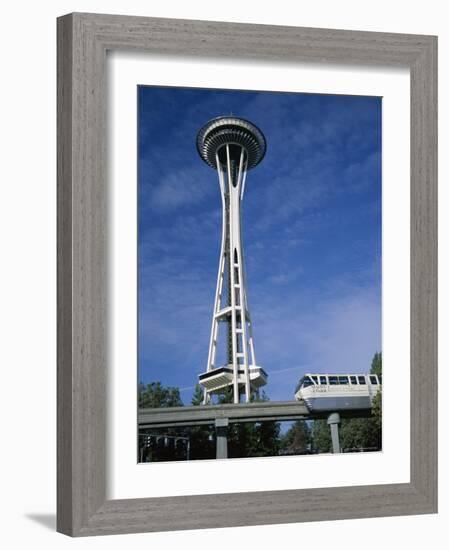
233	308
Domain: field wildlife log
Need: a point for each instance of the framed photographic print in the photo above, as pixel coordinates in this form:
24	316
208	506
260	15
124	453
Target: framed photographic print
247	274
304	229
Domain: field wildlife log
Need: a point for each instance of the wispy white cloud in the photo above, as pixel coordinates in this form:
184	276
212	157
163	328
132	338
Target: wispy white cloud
183	187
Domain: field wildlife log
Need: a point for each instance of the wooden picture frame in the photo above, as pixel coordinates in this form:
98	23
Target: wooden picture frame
83	40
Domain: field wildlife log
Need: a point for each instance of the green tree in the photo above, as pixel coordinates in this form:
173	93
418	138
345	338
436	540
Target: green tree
321	437
297	440
248	438
226	395
161	444
198	395
266	434
376	364
357	433
154	395
376	368
377	411
202	438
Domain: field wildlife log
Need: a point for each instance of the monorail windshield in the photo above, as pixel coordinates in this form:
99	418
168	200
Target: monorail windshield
304	382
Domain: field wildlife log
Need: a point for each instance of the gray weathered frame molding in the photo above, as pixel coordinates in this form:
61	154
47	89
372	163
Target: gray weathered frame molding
83	40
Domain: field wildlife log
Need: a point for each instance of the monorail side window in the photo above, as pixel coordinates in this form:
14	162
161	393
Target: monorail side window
343	380
373	380
333	380
362	380
315	379
323	380
353	379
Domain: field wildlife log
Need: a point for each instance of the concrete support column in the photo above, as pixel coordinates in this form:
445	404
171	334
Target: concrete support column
333	420
221	431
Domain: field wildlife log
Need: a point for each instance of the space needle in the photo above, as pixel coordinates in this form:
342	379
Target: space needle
232	146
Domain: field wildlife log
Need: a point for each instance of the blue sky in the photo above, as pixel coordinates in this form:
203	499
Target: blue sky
311	233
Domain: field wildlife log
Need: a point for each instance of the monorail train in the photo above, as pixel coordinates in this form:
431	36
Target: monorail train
334	392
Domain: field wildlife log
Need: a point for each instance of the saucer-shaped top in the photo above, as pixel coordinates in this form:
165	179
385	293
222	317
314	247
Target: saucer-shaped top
230	130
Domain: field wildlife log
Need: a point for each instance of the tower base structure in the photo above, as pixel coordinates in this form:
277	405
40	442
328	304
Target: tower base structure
217	379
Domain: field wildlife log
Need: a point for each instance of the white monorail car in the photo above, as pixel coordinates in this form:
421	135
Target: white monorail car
334	392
